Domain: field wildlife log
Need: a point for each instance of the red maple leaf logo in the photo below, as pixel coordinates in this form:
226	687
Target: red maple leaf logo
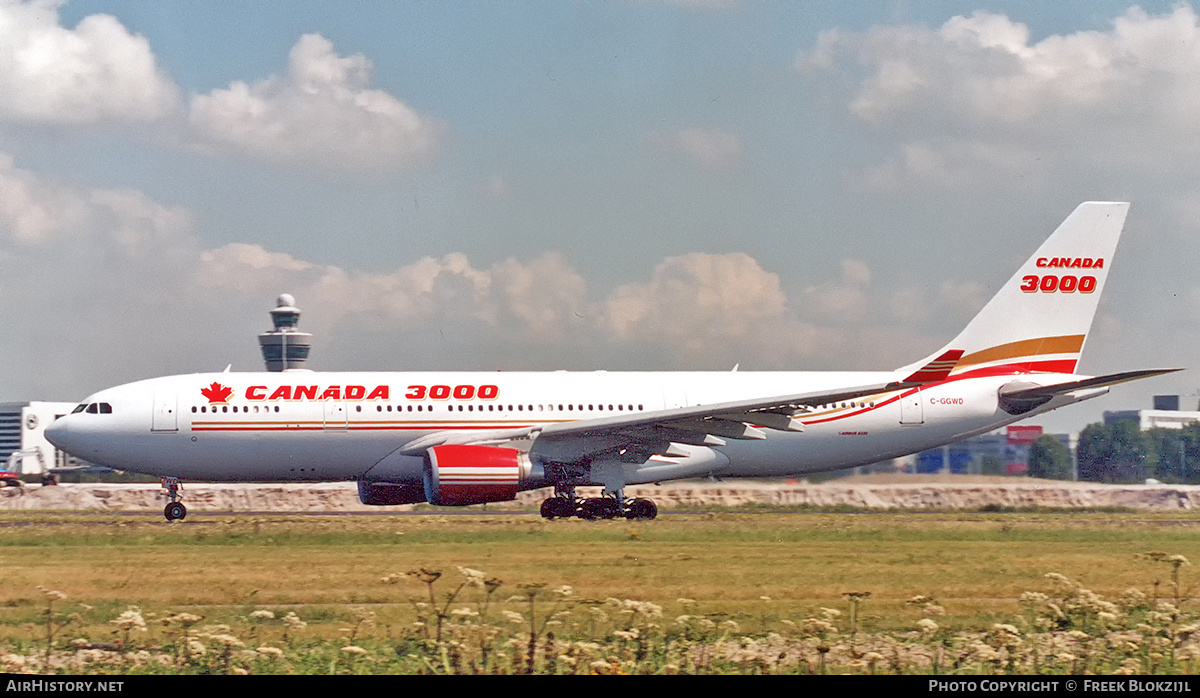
217	393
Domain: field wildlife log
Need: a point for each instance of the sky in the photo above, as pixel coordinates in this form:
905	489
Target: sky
623	185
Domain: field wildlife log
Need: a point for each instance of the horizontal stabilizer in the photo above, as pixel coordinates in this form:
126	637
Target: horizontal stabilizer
1020	397
1097	382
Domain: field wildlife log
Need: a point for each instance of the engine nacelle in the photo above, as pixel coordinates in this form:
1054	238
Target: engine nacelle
458	475
390	493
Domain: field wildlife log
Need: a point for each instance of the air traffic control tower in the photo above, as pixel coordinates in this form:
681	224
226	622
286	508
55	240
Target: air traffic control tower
285	347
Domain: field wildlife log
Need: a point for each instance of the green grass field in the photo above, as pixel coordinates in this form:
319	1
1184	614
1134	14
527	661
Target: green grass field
726	592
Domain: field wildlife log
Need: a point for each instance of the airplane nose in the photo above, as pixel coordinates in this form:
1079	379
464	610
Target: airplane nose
57	434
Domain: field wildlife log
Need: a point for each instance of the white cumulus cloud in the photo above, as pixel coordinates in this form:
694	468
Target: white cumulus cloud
31	212
324	109
36	211
536	297
978	96
97	71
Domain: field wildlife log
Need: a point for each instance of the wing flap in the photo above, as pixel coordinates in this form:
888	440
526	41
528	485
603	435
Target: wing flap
728	428
779	421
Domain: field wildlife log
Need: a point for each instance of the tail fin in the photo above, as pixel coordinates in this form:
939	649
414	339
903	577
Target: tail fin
1039	320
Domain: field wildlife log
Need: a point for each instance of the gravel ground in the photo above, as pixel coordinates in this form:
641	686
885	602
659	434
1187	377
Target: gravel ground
872	491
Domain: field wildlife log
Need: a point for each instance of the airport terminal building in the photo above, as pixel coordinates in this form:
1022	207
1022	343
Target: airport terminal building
23	445
1165	415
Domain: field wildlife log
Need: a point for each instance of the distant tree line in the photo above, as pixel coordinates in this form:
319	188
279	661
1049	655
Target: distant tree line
1122	453
1049	459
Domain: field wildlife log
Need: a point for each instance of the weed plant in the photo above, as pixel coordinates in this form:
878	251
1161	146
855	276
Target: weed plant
826	594
462	625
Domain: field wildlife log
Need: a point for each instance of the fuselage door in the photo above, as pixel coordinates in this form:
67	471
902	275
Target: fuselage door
911	411
165	417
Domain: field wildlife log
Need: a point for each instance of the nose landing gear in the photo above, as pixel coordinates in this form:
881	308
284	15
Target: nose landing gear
174	509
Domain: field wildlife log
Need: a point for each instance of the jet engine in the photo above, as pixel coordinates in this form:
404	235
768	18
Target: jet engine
459	475
390	493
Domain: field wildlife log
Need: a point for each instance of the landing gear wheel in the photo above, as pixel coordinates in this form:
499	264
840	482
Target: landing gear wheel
600	508
558	508
593	508
641	508
174	509
49	480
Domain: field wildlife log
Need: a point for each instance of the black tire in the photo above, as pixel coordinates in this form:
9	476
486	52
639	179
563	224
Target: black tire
592	509
641	508
610	508
558	508
175	510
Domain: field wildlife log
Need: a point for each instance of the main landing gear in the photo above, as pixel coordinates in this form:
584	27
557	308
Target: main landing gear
564	504
174	509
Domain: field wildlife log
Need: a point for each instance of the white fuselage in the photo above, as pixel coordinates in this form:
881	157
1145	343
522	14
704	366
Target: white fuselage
309	426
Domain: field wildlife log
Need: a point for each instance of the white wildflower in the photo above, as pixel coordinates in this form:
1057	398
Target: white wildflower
514	617
293	621
130	620
474	578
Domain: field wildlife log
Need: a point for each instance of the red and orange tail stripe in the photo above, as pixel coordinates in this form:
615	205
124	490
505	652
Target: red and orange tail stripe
1024	356
937	370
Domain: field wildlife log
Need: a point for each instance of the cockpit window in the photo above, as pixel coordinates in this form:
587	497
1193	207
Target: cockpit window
82	407
105	408
94	408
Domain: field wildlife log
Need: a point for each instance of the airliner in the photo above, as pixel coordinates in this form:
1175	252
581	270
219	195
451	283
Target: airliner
458	439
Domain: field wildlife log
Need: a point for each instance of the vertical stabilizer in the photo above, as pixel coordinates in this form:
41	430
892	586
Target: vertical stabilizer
1039	320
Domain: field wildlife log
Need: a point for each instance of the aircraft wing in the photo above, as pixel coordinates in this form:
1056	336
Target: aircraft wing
699	425
774	413
648	433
